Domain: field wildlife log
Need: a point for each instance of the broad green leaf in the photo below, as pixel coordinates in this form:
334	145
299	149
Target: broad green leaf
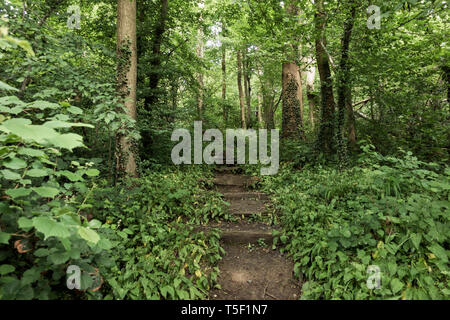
88	234
67	141
50	227
15	163
5	86
19	192
47	192
37	173
63	124
4	237
75	110
439	252
6	268
396	285
92	172
31	152
25	223
10	175
42	105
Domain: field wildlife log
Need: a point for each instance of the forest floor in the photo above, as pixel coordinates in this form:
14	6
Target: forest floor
250	269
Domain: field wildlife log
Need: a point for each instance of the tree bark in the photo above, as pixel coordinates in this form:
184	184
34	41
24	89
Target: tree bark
241	94
224	85
292	113
291	89
200	56
344	89
326	131
310	74
127	75
155	61
247	87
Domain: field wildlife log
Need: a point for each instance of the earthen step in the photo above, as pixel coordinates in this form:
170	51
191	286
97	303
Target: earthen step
244	196
231	180
231	169
241	233
247	207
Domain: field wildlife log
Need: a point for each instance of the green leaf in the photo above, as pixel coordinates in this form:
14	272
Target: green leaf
68	141
37	173
10	175
439	252
4	237
89	234
396	285
42	252
31	152
92	172
50	228
15	164
415	239
25	223
46	192
63	124
42	105
75	110
6	268
5	86
19	192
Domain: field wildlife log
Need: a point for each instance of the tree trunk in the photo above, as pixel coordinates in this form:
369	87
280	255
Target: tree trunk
155	60
260	102
291	115
326	131
200	56
224	85
127	75
247	87
310	74
241	94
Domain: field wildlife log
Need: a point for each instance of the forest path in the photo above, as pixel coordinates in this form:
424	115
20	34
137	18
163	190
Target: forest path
250	269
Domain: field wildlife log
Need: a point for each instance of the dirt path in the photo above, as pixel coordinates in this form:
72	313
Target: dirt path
250	269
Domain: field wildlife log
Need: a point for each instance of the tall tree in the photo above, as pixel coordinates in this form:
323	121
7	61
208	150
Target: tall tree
309	76
224	85
247	86
292	113
344	90
126	77
241	93
326	130
155	61
200	55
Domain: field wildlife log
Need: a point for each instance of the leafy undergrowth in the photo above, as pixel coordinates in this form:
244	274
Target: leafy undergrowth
391	213
158	254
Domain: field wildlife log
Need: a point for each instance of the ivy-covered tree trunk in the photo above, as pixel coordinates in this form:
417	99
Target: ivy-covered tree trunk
326	130
241	93
292	95
291	115
126	77
344	89
155	61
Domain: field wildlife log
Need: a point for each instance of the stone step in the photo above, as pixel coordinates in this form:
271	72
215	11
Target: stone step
247	207
227	196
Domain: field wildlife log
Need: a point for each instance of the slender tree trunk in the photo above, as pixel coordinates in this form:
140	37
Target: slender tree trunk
127	75
241	93
200	55
247	87
260	102
310	74
224	85
326	131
